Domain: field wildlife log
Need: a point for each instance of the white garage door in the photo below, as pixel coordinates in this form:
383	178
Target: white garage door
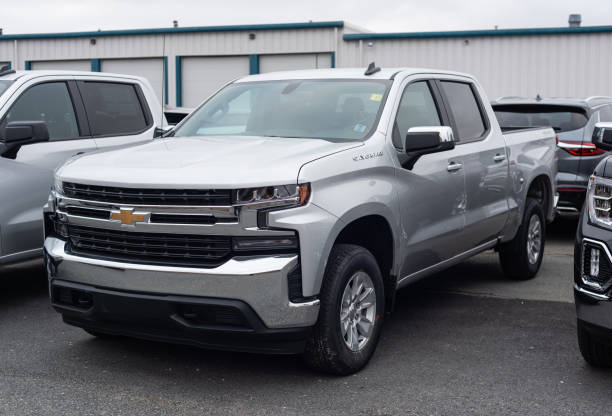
289	62
76	65
202	76
149	68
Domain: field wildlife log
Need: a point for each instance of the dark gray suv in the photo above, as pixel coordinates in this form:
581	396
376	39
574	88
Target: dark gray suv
573	120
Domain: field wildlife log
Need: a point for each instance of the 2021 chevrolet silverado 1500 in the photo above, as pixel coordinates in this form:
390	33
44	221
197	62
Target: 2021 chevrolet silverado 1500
45	118
284	212
593	261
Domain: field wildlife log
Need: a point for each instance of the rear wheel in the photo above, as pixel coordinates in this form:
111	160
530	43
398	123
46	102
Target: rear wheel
593	349
521	258
351	312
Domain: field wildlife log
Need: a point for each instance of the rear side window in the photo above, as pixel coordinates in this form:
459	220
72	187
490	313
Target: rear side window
49	102
113	108
465	110
560	118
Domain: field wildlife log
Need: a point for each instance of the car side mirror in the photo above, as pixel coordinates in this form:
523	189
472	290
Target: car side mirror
602	136
421	141
18	133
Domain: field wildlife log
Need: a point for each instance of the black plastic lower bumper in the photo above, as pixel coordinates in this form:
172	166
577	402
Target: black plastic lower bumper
204	322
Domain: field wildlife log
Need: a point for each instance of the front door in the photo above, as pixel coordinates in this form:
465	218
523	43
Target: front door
432	194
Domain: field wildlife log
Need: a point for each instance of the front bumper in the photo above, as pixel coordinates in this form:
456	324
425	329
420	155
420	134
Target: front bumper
203	322
260	282
593	307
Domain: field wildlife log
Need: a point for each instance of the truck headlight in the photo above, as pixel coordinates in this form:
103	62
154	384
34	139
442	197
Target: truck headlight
269	196
58	185
599	196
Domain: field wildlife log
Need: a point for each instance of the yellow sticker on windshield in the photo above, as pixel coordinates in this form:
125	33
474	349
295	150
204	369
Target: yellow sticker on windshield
376	97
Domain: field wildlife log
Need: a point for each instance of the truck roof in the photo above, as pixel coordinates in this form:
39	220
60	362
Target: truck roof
10	76
342	73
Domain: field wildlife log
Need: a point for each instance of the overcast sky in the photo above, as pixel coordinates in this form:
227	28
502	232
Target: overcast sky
34	16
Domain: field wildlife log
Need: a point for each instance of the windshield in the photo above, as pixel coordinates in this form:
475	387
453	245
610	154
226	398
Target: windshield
560	118
4	85
325	109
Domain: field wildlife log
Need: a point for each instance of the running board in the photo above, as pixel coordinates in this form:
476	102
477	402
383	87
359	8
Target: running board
411	278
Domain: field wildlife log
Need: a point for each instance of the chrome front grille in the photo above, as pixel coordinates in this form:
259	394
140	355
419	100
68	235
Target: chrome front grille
180	250
142	196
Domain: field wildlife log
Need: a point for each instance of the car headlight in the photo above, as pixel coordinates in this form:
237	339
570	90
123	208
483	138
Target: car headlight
599	196
58	185
280	195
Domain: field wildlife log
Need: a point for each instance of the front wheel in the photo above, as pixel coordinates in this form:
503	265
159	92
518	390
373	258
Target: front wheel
594	350
521	258
351	312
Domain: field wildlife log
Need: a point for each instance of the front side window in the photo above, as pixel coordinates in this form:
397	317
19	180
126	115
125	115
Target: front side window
464	107
417	109
49	102
113	108
325	109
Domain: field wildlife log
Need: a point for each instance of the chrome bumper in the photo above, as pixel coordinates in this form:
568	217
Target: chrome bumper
261	282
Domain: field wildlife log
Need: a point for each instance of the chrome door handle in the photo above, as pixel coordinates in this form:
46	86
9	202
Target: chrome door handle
499	158
453	166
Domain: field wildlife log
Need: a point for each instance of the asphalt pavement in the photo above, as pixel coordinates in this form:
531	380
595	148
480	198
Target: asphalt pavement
466	341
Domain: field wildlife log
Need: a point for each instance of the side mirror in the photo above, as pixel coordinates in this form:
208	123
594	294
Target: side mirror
421	141
602	136
161	132
18	133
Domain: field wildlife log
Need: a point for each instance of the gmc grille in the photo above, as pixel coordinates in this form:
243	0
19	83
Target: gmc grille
135	196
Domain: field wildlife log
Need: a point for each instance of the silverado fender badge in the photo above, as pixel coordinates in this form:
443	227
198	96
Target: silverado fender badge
366	156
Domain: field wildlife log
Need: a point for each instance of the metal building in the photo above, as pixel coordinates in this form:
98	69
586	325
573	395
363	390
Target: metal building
185	65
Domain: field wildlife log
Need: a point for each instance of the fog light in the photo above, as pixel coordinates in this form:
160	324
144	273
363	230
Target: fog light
594	269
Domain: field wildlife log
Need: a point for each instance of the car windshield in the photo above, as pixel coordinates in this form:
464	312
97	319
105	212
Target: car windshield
560	118
334	110
4	85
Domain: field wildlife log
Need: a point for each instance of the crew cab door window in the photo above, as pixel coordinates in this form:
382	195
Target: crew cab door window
417	109
113	109
464	108
49	102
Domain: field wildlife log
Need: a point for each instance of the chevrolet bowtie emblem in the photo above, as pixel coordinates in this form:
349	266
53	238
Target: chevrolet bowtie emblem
127	216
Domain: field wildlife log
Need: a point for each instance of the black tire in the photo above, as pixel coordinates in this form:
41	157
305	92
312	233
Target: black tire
593	350
513	255
326	349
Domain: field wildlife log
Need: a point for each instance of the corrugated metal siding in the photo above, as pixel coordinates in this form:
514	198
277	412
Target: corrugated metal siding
550	65
526	64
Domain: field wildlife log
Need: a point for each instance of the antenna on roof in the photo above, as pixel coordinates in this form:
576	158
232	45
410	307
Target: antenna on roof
372	69
538	97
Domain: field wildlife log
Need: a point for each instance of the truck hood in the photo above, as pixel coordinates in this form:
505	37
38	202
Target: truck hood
196	162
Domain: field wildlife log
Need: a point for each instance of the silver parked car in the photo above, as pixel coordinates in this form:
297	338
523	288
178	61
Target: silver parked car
574	121
285	211
45	118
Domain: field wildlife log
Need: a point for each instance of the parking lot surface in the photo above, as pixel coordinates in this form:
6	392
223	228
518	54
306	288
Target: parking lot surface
466	341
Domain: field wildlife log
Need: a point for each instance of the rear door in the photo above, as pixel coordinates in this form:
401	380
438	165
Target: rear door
484	160
117	112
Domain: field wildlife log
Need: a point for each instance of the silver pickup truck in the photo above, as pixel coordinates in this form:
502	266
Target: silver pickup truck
45	118
282	215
